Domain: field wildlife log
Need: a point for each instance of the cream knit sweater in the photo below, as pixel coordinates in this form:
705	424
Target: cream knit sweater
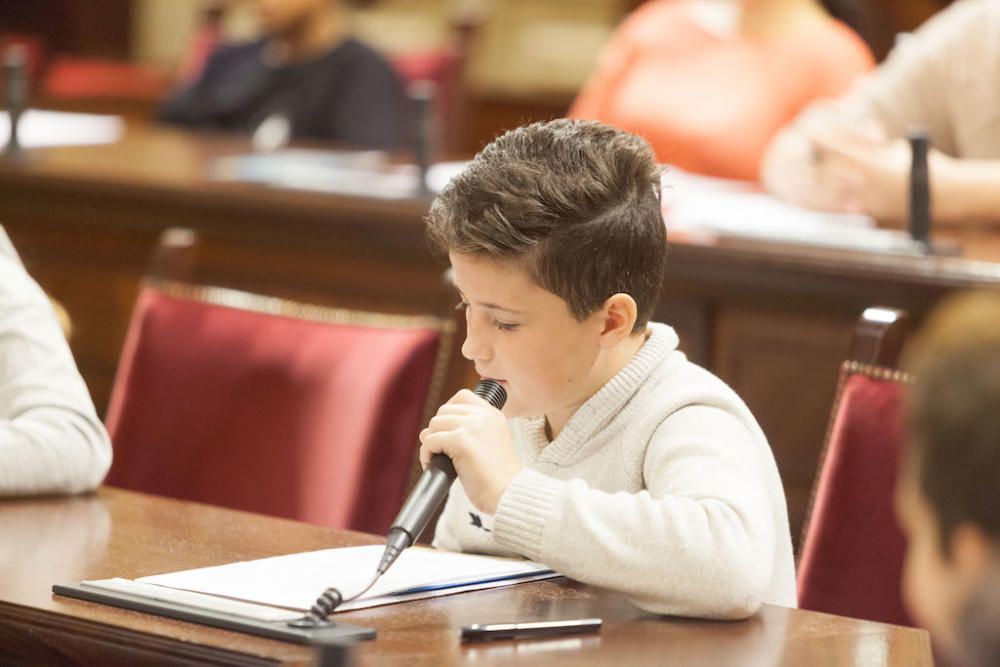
661	486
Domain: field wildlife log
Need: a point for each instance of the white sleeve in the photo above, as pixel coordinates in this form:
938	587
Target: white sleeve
51	440
698	541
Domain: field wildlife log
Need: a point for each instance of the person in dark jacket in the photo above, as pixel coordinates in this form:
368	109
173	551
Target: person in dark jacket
304	79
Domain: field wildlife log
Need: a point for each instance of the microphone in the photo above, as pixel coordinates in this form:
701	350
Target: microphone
431	489
920	193
428	494
421	94
15	93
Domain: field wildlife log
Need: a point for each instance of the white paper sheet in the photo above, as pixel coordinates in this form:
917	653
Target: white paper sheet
358	173
295	581
39	129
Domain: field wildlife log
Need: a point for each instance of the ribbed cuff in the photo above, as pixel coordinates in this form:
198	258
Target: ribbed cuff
525	508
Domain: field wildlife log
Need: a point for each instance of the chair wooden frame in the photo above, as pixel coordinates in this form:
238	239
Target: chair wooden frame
876	346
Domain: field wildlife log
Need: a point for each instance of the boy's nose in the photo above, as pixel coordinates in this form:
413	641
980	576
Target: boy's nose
474	348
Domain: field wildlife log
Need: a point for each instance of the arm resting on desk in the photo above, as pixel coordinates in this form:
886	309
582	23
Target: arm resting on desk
966	191
51	440
698	540
852	177
929	82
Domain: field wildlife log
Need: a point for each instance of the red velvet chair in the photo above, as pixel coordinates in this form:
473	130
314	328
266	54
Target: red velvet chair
271	406
852	549
71	77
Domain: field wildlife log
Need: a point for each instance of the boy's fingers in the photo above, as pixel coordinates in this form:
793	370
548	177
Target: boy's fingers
455	409
439	443
446	422
429	447
466	397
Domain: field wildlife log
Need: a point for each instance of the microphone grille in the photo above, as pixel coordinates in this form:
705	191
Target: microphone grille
492	392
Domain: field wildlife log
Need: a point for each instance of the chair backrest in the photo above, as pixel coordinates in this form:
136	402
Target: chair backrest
852	548
272	406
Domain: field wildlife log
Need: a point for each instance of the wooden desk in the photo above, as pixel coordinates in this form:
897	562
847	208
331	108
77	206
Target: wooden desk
120	533
774	322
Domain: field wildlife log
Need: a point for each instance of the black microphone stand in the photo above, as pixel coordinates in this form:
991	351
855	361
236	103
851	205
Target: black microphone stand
15	94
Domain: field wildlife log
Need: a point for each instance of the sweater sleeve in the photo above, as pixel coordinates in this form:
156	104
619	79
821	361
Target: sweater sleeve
51	440
697	541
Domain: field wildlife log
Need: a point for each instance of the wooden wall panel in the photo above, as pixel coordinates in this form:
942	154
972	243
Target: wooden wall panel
785	366
100	28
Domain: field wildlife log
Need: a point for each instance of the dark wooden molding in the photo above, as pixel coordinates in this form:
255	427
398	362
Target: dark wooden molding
879	336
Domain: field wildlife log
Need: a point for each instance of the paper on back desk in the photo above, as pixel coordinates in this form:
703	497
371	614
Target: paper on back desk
58	128
294	581
357	173
740	209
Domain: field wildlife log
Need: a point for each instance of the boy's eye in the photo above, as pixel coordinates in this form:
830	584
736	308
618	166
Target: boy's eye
505	326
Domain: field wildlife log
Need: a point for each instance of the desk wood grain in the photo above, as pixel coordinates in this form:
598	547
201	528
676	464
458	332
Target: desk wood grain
116	533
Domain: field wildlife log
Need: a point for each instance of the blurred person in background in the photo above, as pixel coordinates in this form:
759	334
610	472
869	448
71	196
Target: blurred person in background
51	440
708	83
305	78
947	496
851	154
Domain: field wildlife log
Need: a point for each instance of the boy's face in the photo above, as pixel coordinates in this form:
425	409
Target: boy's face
527	338
935	585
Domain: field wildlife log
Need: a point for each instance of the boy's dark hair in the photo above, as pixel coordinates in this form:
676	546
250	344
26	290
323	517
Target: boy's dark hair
576	202
953	413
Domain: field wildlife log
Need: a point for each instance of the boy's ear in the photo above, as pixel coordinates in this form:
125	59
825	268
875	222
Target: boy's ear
620	313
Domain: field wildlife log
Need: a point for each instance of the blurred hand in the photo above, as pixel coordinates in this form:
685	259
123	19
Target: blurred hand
475	436
857	172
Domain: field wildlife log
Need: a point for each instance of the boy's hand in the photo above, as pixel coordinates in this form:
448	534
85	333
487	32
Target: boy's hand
474	435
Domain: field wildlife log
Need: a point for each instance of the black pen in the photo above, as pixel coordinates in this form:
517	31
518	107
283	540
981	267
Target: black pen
493	631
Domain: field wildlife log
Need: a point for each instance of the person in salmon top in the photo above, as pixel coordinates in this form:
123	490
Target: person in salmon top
708	84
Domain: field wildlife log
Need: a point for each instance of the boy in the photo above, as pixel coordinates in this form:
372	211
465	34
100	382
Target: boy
948	497
622	464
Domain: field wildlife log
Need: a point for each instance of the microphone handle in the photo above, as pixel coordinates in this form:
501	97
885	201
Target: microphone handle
431	489
427	495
